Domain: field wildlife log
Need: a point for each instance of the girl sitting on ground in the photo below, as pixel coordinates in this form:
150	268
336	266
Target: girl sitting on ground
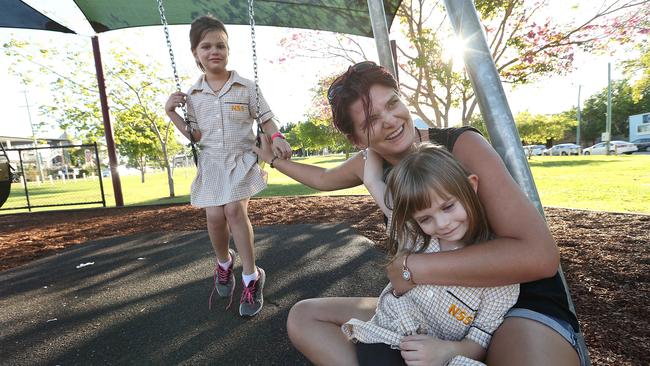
434	207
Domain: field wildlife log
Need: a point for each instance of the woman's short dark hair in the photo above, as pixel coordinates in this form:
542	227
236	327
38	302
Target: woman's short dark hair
353	85
202	25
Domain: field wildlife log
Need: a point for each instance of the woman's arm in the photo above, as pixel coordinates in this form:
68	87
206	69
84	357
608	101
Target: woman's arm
524	250
346	175
372	179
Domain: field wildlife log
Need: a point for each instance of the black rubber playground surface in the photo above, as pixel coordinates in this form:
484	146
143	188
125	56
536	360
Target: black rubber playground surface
143	299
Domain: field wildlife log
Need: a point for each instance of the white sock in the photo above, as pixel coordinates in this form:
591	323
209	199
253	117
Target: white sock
226	264
248	278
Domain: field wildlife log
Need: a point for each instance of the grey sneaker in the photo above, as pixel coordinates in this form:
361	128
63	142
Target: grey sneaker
252	298
224	280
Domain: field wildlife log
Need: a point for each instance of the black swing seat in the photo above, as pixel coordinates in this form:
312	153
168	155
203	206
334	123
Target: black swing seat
5	182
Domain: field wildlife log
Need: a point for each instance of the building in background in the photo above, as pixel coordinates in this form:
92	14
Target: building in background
639	126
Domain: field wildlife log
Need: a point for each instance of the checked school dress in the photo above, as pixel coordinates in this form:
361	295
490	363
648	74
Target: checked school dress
227	166
446	312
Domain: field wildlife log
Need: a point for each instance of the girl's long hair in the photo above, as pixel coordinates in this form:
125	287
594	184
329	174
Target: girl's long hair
429	169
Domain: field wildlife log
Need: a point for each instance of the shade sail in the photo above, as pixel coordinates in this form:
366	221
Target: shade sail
17	14
343	16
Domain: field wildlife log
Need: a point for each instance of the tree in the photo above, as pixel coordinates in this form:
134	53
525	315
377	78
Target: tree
536	129
318	131
526	46
594	113
134	91
640	66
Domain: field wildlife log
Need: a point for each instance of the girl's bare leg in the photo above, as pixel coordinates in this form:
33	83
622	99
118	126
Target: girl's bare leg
521	341
242	233
218	231
314	327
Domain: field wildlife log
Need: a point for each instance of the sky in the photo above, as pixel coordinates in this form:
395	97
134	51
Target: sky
286	86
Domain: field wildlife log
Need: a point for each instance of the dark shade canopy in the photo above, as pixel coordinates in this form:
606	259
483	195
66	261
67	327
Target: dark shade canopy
343	16
17	14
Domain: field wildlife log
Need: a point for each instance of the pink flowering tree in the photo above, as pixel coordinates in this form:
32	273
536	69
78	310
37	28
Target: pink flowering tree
527	43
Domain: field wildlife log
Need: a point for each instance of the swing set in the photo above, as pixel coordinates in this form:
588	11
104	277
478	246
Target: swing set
480	67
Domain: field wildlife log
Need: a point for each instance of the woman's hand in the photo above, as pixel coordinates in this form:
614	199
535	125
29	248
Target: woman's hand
177	99
281	148
394	273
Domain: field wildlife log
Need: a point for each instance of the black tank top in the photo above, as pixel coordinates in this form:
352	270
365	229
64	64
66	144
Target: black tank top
546	296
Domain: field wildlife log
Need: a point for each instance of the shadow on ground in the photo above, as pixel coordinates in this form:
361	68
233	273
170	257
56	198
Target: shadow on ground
144	298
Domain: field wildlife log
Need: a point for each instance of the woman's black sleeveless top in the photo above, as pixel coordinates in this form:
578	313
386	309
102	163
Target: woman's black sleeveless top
547	296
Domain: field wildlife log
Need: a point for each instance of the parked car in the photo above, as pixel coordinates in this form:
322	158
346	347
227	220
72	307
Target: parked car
642	143
563	149
534	150
615	147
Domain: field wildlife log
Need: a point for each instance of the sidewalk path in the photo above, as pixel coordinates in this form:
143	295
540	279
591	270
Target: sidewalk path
143	299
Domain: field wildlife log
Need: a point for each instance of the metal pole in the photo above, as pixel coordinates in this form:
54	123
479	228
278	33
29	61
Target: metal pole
491	96
494	107
579	117
380	32
608	126
39	165
108	130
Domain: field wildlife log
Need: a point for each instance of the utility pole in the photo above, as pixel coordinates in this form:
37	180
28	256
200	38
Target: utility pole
579	119
31	124
608	126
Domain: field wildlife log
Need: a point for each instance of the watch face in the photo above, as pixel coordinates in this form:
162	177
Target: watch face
406	274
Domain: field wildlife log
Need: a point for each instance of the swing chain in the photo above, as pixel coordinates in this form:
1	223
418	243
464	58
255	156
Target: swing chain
163	20
251	14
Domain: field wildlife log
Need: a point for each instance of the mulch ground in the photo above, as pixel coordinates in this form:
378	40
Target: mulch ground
605	256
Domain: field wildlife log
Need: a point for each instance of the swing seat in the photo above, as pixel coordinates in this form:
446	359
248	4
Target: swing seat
5	182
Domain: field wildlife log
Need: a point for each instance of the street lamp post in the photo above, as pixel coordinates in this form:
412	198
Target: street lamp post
579	119
608	126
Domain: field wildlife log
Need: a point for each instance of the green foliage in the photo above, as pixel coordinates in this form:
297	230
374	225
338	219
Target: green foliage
526	46
541	129
594	113
135	92
641	65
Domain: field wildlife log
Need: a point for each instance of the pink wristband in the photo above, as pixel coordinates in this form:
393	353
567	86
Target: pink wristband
277	134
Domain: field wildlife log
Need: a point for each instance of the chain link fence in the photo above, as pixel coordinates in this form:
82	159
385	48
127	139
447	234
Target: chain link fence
56	176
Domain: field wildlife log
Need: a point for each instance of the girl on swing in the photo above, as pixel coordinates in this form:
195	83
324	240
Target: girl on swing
221	107
539	330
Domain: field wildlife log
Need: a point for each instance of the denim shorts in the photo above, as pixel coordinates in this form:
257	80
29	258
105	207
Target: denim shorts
560	326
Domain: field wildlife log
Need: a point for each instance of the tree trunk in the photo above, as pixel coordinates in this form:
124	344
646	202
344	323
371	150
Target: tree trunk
170	177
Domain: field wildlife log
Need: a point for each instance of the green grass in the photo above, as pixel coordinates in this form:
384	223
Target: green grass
607	183
604	183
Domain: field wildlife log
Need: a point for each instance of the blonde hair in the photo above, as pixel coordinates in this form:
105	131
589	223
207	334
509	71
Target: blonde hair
429	169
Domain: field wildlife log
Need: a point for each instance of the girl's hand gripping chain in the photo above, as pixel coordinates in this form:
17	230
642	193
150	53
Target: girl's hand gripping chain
176	100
